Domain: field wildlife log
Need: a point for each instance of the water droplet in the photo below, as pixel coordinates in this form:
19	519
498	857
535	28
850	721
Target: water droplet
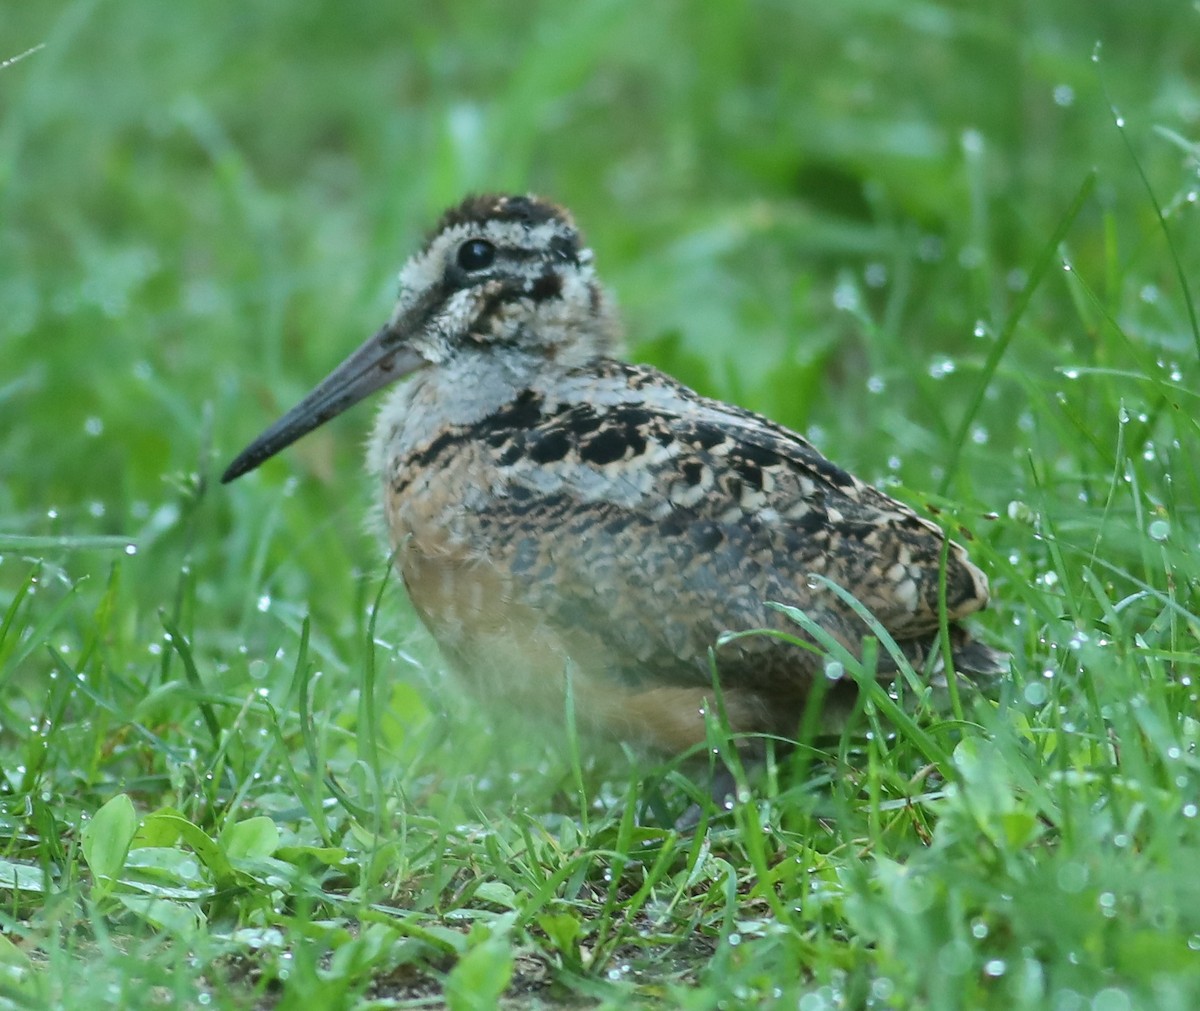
52	513
1159	530
1036	693
882	988
93	426
930	248
834	670
1072	877
972	141
96	509
970	257
1189	810
1112	998
875	275
876	384
941	367
979	435
994	967
954	958
845	296
1016	279
264	603
1020	512
1064	95
1071	373
131	549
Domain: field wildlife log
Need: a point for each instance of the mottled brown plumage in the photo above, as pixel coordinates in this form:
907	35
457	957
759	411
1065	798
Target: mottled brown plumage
558	512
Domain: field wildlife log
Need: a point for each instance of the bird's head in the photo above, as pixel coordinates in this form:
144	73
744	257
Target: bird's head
499	275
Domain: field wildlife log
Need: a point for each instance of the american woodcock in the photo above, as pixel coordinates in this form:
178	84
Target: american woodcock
560	513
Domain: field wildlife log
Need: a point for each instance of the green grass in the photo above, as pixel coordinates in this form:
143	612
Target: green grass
233	774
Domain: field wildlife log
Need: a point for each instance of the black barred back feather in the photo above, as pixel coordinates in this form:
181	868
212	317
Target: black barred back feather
654	519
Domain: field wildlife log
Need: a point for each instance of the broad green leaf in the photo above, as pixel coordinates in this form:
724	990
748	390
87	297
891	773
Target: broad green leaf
358	955
11	955
166	863
181	918
497	892
1020	827
107	838
331	856
253	838
564	930
480	977
158	830
21	877
166	825
16	972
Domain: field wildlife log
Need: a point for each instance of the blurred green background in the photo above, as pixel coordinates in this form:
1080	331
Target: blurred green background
221	194
828	212
824	212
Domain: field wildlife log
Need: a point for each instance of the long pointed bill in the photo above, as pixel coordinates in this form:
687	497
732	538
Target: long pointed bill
379	361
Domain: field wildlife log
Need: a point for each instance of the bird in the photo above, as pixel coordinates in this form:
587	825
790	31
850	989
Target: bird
574	529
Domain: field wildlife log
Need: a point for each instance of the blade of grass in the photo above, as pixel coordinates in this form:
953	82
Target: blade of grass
184	648
66	542
1185	289
1040	269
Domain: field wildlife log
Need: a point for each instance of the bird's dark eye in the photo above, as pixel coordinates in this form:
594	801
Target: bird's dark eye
476	254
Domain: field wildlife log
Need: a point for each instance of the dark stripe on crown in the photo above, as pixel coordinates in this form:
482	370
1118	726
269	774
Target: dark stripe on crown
526	210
